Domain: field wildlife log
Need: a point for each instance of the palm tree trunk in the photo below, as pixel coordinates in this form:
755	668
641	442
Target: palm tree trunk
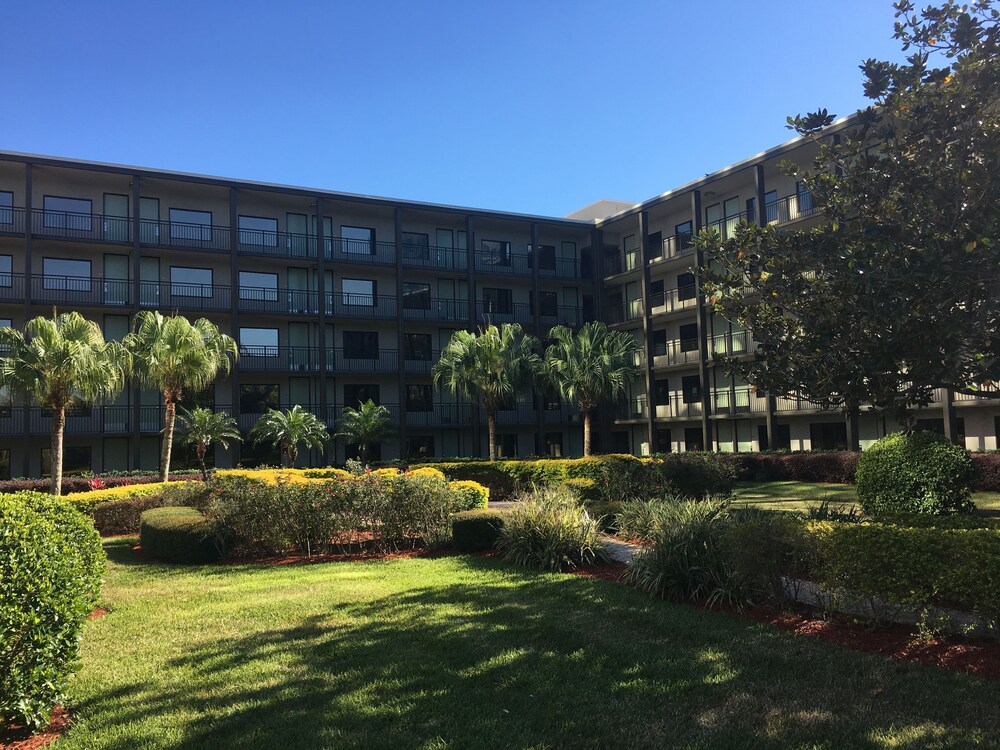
293	452
58	427
491	420
169	415
201	460
586	432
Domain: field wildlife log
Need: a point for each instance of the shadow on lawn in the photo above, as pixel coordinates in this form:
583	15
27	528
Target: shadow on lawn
514	659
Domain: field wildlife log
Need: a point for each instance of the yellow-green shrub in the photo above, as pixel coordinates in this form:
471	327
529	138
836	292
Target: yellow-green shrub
427	471
472	495
86	500
328	473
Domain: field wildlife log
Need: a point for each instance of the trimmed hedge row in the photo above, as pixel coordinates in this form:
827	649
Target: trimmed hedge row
476	530
181	535
74	485
51	565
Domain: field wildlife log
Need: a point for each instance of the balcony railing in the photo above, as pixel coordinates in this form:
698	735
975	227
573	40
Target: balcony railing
673	247
791	208
624	312
157	233
12	287
80	290
556	268
360	306
740	401
413	364
612	265
334	413
435	308
521	313
503	263
444	258
678	352
732	344
632	408
276	244
351	361
520	413
792	403
440	415
181	296
12	220
360	251
278	358
673	300
680	406
80	226
563	315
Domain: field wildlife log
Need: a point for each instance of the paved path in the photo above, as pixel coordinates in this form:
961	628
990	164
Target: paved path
620	551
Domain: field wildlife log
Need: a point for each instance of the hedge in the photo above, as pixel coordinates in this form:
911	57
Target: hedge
476	530
181	535
51	565
122	516
76	485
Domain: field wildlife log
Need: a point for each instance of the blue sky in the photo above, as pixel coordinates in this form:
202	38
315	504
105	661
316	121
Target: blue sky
540	107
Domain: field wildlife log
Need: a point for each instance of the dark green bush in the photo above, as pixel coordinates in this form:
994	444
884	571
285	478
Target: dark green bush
760	549
616	477
490	474
180	535
694	475
476	530
639	519
51	564
121	516
919	472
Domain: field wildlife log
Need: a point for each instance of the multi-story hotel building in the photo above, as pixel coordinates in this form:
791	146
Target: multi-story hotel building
337	298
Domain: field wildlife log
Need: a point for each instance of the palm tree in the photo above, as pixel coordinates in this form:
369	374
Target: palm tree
177	356
592	365
365	426
491	367
58	363
201	427
285	430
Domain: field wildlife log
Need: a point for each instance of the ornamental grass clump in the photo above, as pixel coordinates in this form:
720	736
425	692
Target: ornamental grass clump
640	519
549	530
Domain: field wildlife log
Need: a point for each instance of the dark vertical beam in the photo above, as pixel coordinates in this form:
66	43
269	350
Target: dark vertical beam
950	418
706	396
234	310
324	406
597	251
400	354
645	252
28	286
470	252
770	415
536	297
135	390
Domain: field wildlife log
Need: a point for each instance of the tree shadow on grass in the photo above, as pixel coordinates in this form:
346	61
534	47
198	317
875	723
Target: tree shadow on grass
505	658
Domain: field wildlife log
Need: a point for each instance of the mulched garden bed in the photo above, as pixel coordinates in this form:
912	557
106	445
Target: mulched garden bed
19	737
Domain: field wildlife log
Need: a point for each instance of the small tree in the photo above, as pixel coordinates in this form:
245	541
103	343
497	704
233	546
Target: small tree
286	430
490	367
366	426
200	427
58	363
177	356
594	364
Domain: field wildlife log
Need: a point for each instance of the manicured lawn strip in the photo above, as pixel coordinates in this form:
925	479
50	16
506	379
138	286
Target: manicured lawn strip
799	496
460	652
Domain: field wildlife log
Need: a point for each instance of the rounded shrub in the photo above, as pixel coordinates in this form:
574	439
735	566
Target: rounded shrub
918	472
180	535
51	564
470	495
476	530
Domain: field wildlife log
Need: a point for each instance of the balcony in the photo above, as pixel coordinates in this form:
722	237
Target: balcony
414	365
12	287
794	403
673	300
12	221
503	263
75	290
623	312
791	208
632	409
674	353
740	401
383	360
436	258
278	359
440	415
334	413
488	312
77	226
248	419
180	296
522	412
175	234
613	265
675	246
276	244
349	250
563	315
435	308
680	406
360	306
732	344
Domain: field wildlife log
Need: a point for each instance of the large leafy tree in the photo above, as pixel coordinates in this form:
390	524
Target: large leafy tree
491	367
58	363
592	365
898	291
287	430
366	426
177	357
200	427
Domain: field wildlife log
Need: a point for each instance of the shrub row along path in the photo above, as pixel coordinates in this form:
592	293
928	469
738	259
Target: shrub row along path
465	651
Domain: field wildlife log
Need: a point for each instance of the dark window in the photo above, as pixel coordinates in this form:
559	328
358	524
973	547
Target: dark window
828	436
418	346
358	292
357	240
256	398
694	440
496	253
656	293
352	451
662	392
416	245
360	345
416	296
508	445
659	342
419	398
663	443
771	205
190	225
782	438
804	197
685	286
420	446
619	442
67	213
6	213
548	304
359	394
689	337
6	270
76	459
691	389
258	231
546	257
684	233
498	300
554	444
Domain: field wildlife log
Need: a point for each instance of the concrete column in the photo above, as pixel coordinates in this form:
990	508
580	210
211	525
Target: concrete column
706	396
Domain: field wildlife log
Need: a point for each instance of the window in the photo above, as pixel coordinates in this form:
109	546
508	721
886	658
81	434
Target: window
259	287
554	444
662	392
360	345
419	398
691	389
75	459
546	257
828	436
259	341
4	463
257	398
420	446
804	198
358	292
66	275
416	296
191	282
355	394
6	270
416	245
684	233
357	240
663	444
67	213
689	337
548	304
498	300
694	440
508	445
659	342
771	205
190	225
6	207
256	230
418	346
685	286
496	253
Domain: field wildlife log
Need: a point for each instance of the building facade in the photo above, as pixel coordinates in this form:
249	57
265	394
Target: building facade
337	298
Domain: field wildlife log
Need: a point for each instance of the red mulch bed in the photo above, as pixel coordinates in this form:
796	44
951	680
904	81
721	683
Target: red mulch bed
19	737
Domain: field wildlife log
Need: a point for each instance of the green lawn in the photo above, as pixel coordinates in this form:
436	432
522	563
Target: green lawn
462	652
800	495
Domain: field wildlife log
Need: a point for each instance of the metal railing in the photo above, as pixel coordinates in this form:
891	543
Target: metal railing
632	408
182	296
360	305
351	361
275	244
80	290
790	208
680	406
278	358
740	401
673	300
435	308
360	251
12	220
447	258
503	263
179	234
515	313
81	226
732	344
440	415
626	311
677	352
412	364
